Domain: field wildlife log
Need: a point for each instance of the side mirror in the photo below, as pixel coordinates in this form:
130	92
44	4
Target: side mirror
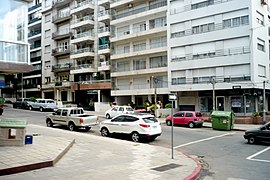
53	113
263	128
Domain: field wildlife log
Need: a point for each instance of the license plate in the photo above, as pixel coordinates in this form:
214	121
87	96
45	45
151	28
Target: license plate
154	127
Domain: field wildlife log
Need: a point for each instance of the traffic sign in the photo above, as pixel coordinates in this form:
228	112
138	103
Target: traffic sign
172	97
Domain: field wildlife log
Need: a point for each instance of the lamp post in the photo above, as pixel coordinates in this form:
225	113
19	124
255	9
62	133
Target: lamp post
264	100
213	82
154	79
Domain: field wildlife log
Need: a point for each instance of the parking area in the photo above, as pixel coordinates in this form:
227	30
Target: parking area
261	156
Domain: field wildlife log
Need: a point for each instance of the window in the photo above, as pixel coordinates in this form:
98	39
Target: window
259	18
244	20
227	23
64	112
139	64
47	33
47	80
188	114
47	49
48	18
261	45
195	30
180	114
261	71
236	22
159	61
58	112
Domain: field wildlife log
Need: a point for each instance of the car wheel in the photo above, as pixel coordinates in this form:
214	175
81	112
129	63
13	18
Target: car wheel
71	126
87	129
30	108
135	137
251	140
105	132
169	123
108	116
49	123
191	125
41	109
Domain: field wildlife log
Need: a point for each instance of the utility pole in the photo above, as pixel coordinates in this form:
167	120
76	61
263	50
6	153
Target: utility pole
22	85
264	100
155	91
213	82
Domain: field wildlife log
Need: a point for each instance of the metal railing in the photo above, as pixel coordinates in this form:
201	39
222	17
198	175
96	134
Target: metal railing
84	34
61	16
104	46
34	7
85	18
140	10
211	54
83	3
82	50
104	29
34	32
34	20
104	13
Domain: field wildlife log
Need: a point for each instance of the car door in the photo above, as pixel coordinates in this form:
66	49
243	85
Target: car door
55	117
188	117
115	124
114	111
121	110
178	118
129	124
265	133
64	117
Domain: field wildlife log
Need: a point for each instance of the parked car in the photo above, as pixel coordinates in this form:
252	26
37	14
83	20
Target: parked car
190	118
42	105
21	103
261	133
116	110
73	118
139	126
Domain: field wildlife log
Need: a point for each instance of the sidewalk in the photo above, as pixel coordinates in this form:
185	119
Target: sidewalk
64	154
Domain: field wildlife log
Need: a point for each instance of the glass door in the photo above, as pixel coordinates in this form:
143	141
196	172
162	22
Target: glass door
220	103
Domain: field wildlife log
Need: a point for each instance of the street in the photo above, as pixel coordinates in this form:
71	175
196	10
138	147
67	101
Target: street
223	154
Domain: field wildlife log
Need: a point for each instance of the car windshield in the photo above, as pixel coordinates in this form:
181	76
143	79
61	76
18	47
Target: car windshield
129	109
150	120
198	114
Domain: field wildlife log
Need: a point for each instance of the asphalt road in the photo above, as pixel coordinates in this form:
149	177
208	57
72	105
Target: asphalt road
223	154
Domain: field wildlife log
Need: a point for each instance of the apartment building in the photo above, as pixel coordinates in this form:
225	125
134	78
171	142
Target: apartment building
139	51
32	80
218	54
14	48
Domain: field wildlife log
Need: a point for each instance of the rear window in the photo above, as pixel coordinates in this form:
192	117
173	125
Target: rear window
150	120
129	109
198	114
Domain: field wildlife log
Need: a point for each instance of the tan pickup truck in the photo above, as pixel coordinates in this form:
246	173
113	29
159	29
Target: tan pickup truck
73	118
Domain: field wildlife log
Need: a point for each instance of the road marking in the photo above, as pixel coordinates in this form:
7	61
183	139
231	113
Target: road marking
206	139
258	153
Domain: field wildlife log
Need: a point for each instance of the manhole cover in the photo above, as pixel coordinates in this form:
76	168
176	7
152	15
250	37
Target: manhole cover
166	167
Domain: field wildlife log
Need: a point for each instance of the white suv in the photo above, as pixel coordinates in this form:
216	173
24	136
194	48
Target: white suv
116	110
138	125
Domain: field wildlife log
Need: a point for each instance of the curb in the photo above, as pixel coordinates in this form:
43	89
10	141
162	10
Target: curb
30	167
195	174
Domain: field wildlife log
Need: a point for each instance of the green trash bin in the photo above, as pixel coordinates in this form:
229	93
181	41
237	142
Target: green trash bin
222	120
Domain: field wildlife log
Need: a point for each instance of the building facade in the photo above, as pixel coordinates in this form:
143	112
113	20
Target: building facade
218	54
14	47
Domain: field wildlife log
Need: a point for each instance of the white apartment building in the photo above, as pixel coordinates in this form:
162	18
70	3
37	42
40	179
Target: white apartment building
139	51
220	49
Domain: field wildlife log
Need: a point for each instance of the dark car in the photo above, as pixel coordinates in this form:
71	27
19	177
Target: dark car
21	103
258	134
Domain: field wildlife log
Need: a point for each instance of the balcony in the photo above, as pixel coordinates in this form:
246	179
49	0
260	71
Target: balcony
82	37
81	53
59	3
87	5
63	34
34	7
104	3
63	83
92	84
32	21
140	50
83	68
104	16
62	67
104	31
139	10
104	66
104	49
59	51
35	46
120	3
30	86
83	22
58	18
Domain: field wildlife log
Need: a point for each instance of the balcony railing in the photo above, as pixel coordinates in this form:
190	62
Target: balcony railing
83	50
104	13
34	32
34	20
93	81
85	18
104	29
211	54
140	10
62	33
34	7
60	16
197	6
104	46
84	34
86	2
34	46
62	67
84	66
60	51
105	63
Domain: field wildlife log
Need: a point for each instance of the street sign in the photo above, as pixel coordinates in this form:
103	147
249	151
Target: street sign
172	97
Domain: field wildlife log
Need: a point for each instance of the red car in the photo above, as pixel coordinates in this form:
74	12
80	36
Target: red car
190	118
